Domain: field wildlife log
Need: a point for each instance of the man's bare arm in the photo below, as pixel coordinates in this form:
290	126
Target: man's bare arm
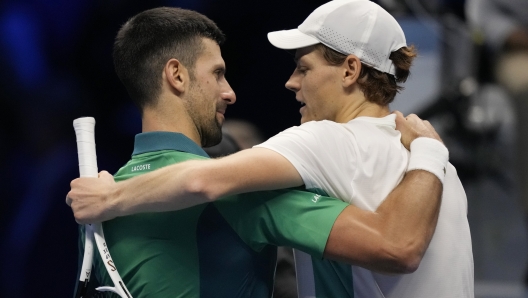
181	185
394	238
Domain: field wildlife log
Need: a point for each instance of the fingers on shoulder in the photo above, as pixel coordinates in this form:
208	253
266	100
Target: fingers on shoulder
428	124
413	118
400	119
398	114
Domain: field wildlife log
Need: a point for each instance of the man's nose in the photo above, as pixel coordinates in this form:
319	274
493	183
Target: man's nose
292	84
229	96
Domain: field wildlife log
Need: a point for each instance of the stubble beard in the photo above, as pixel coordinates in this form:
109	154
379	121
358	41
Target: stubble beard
207	124
211	133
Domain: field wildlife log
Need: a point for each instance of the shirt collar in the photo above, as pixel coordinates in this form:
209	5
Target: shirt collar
389	120
164	140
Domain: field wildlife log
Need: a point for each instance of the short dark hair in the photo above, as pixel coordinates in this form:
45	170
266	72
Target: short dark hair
148	40
378	87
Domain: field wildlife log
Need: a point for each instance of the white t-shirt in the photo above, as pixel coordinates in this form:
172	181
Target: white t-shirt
361	162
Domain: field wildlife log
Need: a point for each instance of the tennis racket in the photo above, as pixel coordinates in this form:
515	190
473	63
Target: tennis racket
84	131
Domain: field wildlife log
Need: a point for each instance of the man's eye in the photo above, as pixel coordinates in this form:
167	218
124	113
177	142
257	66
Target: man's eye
219	73
302	69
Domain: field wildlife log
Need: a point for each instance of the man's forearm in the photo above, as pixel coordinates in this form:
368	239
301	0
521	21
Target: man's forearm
394	237
411	213
155	191
181	185
194	182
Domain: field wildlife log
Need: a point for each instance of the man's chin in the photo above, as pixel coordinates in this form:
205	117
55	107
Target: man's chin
213	137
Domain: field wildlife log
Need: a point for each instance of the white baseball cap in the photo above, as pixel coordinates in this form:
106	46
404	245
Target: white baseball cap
358	27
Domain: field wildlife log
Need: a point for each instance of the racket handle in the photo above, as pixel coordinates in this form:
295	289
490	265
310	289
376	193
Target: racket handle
84	131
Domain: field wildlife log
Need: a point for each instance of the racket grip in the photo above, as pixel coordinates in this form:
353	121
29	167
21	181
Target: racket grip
84	131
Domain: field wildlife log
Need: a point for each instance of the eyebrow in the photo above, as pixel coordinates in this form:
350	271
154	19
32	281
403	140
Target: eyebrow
298	56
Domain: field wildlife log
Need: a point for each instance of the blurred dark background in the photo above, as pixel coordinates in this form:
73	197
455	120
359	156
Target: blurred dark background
56	63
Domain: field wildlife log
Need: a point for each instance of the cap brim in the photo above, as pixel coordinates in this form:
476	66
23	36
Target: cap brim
291	39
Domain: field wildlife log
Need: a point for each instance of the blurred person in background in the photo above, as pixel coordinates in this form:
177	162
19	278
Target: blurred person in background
227	146
245	133
504	26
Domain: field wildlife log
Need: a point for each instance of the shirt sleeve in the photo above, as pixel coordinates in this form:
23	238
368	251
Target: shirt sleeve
292	218
318	153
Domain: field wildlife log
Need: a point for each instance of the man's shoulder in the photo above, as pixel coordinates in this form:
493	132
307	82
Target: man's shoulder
321	125
361	125
311	133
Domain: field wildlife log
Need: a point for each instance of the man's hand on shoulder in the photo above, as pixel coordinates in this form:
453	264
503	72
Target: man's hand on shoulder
412	127
90	200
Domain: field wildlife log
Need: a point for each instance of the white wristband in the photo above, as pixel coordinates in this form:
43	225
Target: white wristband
429	155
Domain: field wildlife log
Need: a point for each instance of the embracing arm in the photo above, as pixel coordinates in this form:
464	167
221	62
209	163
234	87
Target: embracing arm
181	185
194	182
394	238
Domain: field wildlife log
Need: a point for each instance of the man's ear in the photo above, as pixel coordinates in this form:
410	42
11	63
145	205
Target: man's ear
176	75
351	70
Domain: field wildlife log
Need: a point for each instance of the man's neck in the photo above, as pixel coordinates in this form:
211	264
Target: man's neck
159	119
360	108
